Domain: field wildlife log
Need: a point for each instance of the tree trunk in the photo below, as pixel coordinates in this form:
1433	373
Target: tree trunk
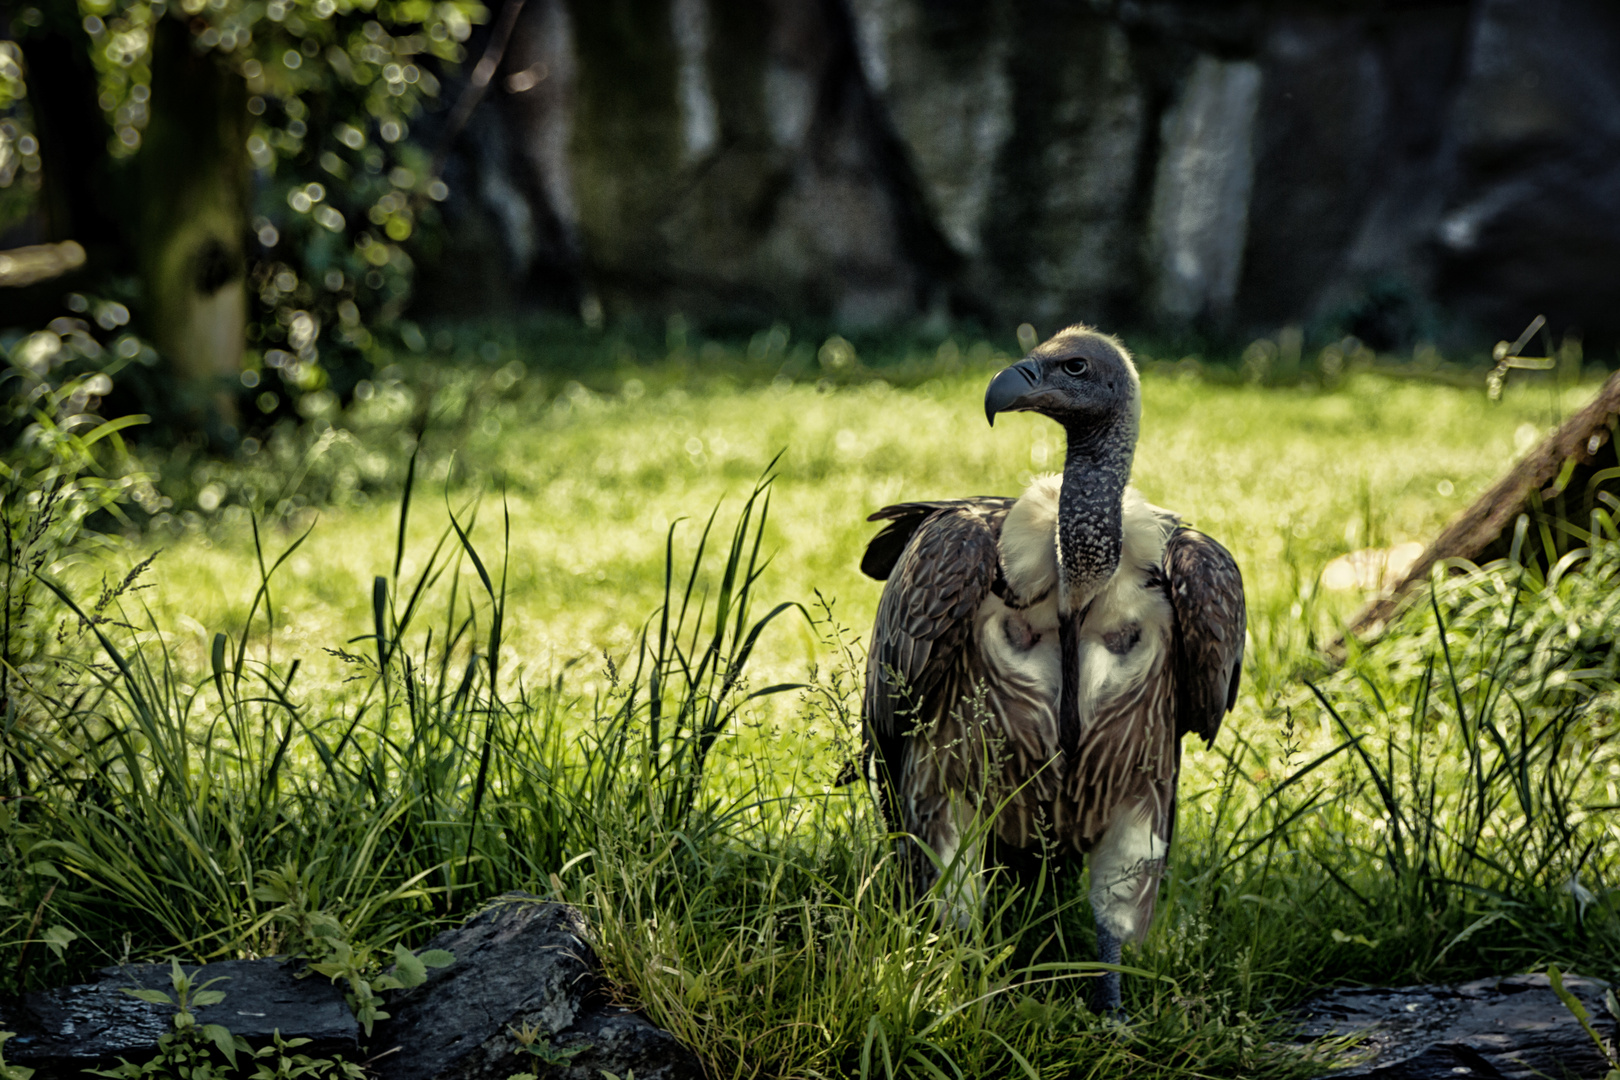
72	137
194	220
76	197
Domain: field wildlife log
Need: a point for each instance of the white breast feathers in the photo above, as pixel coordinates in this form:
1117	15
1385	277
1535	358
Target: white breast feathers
1128	624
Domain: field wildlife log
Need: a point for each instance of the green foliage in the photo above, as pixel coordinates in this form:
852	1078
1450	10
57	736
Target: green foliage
303	929
532	1042
360	46
366	987
65	465
322	939
279	1061
12	90
19	148
1584	1017
191	1050
333	87
11	1072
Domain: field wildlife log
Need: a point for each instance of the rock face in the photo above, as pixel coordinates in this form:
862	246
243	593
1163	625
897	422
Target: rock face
1390	170
698	156
523	995
1503	1029
1353	167
1065	223
1530	225
523	967
1201	194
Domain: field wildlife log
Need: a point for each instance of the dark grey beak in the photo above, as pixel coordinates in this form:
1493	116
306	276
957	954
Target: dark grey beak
1008	389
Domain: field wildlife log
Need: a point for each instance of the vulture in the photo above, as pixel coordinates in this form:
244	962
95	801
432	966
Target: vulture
1035	661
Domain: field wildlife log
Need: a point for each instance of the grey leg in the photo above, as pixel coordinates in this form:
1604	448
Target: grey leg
1125	869
1106	997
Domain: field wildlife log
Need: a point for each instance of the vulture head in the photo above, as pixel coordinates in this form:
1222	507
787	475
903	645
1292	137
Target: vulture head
1086	382
1078	377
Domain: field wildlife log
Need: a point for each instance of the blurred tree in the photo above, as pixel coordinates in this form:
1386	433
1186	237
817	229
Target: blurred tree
68	133
249	159
192	224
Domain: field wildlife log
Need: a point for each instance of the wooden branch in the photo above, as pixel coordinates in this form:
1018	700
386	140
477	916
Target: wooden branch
478	84
1566	464
39	262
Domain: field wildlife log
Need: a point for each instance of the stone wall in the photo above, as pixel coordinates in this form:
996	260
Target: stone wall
1402	170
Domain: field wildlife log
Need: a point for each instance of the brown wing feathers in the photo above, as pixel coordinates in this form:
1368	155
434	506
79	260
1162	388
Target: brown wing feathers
884	549
945	565
941	561
1206	593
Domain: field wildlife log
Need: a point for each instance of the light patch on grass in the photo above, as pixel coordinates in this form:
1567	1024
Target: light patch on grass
1286	478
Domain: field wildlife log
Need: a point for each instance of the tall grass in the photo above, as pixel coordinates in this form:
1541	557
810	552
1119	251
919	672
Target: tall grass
149	804
1486	734
1443	807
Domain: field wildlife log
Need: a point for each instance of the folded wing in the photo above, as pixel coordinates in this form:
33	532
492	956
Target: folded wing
940	560
1206	593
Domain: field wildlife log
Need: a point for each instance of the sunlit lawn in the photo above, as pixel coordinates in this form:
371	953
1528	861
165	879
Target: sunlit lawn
1286	478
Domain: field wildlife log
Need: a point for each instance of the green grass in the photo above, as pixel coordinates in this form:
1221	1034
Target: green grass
1286	478
417	728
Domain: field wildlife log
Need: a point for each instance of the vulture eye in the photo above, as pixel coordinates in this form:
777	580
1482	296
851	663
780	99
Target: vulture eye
1074	367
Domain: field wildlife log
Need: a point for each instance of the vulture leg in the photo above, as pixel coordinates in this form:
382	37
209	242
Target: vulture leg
1106	998
1126	866
945	853
961	858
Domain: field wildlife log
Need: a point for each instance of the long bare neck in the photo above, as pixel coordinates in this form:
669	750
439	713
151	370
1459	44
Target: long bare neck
1091	530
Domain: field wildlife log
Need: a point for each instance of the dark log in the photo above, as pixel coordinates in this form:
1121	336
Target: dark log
524	968
524	972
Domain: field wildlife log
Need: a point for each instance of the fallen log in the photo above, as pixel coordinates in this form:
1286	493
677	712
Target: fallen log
1556	486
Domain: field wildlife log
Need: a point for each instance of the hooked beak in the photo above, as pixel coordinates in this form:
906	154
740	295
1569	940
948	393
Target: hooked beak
1008	390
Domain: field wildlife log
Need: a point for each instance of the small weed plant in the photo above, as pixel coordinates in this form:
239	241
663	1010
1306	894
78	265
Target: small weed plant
11	1072
189	1049
193	1051
322	940
1584	1017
